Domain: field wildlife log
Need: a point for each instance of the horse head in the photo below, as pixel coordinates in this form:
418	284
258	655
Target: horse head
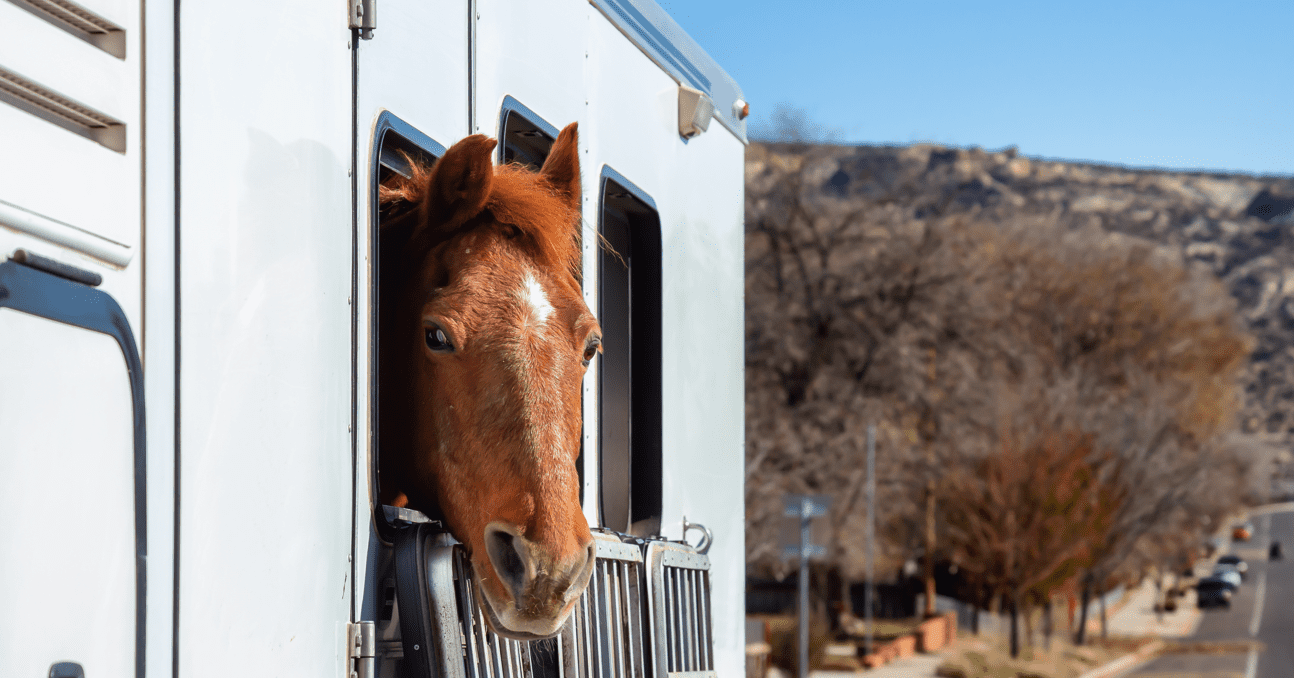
484	347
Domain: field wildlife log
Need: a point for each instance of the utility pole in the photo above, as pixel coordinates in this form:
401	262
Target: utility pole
869	599
805	507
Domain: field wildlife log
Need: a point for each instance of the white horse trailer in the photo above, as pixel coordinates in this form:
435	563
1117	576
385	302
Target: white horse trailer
188	228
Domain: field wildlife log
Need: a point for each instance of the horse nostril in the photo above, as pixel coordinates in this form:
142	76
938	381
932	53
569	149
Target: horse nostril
509	564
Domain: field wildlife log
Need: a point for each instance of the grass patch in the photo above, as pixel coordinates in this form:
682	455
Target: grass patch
990	658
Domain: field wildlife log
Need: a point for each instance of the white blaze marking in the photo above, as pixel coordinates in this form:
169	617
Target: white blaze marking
532	294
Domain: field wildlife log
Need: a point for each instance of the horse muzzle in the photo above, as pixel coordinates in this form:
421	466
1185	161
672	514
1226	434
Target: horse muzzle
543	589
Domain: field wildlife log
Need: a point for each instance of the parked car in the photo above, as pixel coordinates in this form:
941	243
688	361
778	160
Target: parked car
1242	531
1211	591
1228	573
1237	561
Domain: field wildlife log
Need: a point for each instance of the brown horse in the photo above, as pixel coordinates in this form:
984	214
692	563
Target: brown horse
484	346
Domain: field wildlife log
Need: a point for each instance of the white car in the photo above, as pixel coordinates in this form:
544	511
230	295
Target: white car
1228	573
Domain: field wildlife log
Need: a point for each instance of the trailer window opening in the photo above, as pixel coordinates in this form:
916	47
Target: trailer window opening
397	144
524	137
629	393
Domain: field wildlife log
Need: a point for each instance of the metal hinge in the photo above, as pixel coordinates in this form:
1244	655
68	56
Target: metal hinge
361	646
363	15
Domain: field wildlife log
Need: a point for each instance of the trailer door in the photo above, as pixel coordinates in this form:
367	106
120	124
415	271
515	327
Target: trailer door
72	518
411	97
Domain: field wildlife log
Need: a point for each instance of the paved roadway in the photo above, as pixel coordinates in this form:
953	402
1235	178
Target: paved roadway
1263	609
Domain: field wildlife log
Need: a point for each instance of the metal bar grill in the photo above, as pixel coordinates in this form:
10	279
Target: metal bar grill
484	653
605	631
679	609
603	638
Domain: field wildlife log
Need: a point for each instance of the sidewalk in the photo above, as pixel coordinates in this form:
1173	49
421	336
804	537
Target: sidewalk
1136	617
916	666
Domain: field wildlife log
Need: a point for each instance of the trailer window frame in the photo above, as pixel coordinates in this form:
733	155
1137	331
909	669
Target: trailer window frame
522	133
392	136
628	218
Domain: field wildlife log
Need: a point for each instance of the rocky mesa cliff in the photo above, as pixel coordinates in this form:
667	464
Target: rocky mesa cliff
1239	226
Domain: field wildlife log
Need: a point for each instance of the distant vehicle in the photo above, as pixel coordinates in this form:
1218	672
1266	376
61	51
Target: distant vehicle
1237	561
1274	553
1228	573
1243	531
1211	591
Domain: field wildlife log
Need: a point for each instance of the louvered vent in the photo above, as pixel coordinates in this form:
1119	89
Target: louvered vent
80	22
62	111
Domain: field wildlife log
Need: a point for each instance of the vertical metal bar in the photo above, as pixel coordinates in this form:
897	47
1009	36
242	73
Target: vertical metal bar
631	630
496	666
599	623
467	616
694	620
804	589
869	595
588	670
707	622
471	67
685	619
677	599
693	579
671	632
617	632
482	644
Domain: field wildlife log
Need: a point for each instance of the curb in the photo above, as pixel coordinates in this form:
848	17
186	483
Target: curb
1127	662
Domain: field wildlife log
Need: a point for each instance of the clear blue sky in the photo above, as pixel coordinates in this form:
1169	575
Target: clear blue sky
1186	85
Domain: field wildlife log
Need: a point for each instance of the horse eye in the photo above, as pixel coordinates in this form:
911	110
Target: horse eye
437	341
590	351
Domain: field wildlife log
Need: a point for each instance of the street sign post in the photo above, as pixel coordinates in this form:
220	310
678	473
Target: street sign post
806	507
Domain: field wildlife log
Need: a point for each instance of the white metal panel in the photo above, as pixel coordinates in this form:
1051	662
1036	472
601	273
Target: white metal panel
521	52
68	65
57	173
265	355
704	383
415	67
158	342
96	188
698	189
67	578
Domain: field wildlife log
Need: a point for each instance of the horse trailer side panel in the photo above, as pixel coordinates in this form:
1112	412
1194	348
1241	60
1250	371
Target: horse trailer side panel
703	377
697	187
158	332
415	69
69	124
65	412
266	468
533	51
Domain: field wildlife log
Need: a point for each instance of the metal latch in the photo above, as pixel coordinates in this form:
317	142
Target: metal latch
361	642
363	15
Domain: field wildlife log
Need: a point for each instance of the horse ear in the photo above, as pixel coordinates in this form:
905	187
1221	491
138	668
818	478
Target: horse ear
562	168
460	183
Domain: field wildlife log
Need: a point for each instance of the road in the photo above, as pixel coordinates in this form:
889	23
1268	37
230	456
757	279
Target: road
1261	610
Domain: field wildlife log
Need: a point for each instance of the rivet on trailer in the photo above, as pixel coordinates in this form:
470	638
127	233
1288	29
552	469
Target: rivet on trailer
191	225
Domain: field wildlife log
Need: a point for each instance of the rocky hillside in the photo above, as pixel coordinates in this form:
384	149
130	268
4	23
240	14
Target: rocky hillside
1240	226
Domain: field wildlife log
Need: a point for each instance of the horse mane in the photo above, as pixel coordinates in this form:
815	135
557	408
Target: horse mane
520	198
